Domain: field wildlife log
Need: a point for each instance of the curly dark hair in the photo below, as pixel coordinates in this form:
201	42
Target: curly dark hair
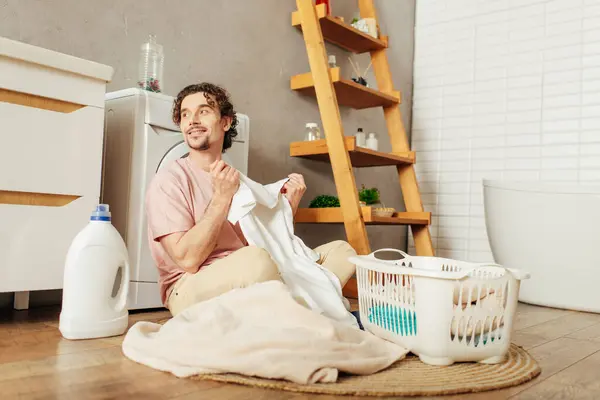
225	107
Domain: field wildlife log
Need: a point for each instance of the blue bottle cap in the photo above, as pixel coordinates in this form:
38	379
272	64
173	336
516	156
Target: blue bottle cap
102	213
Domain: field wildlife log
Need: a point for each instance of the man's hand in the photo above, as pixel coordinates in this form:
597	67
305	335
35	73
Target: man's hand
293	190
226	180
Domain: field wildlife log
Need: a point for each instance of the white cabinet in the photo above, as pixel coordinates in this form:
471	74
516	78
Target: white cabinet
51	137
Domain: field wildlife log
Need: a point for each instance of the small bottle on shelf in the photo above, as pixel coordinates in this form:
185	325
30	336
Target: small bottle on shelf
332	61
372	142
360	138
312	132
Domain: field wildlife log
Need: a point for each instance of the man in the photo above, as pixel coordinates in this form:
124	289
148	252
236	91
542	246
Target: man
198	252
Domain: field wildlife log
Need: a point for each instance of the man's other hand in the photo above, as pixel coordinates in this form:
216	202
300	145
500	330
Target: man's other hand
293	190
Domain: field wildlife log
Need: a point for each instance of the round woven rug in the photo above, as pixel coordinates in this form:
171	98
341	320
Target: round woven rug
411	377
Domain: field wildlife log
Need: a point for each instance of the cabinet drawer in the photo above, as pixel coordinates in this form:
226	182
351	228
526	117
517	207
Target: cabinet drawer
34	70
51	152
34	241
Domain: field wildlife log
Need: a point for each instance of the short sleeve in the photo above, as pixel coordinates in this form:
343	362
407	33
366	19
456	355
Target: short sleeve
167	208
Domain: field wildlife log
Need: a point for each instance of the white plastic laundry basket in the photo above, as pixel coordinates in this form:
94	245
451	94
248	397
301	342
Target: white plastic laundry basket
440	309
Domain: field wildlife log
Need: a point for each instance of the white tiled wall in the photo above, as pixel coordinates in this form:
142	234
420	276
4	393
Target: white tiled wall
506	89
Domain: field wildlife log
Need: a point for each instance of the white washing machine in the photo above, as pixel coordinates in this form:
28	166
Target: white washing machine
140	139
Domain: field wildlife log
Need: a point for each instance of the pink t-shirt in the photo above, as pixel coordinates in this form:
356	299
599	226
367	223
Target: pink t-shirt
176	199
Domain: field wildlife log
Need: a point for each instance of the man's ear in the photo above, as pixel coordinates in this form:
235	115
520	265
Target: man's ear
226	123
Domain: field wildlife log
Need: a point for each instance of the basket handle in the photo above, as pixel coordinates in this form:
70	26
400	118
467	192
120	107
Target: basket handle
404	255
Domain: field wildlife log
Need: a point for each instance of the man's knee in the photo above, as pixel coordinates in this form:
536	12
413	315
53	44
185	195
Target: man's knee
342	245
335	257
261	264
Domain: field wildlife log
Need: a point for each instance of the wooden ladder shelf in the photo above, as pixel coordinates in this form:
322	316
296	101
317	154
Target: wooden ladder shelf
331	92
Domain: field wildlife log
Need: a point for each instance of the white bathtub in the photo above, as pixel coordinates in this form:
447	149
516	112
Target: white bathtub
551	231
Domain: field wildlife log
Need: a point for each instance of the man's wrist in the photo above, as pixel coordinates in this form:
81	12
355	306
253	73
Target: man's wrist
221	200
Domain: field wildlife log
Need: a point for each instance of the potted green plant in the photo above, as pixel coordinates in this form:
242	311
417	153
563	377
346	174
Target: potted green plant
324	201
370	197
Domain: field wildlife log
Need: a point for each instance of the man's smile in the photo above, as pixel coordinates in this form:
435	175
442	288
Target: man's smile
197	132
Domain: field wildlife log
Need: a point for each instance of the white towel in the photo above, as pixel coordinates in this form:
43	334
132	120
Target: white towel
266	219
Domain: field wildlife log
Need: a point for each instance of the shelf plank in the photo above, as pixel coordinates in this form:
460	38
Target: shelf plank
334	215
36	198
348	92
359	156
342	34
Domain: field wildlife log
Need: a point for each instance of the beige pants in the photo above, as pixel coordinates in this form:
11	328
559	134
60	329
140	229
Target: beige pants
247	266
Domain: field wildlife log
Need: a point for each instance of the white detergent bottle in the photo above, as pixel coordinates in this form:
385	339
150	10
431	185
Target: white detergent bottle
96	281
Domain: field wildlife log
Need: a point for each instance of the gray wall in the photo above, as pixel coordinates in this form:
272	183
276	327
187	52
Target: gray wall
250	48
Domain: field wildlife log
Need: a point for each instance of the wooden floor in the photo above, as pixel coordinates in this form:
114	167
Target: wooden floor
37	363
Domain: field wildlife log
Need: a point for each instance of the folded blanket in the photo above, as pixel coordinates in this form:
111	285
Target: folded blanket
258	331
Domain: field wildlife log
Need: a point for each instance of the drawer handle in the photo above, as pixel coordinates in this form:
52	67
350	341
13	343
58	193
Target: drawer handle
32	100
36	199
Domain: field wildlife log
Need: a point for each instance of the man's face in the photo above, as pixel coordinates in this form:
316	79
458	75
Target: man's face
201	122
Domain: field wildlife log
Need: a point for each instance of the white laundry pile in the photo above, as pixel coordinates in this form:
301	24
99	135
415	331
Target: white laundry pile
258	331
266	219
